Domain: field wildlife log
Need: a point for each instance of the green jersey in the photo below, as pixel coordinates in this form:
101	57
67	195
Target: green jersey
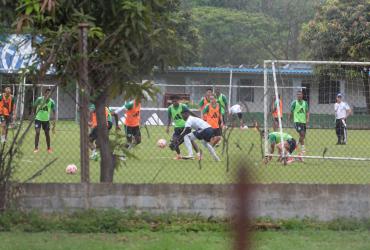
222	100
175	114
275	137
43	108
299	110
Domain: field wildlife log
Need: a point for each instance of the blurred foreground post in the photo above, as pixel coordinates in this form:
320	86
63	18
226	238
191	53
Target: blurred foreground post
241	220
84	102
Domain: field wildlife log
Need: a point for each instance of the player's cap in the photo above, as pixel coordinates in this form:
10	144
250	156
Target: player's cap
339	95
185	109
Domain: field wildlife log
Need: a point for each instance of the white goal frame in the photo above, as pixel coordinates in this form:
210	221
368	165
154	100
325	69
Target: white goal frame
272	63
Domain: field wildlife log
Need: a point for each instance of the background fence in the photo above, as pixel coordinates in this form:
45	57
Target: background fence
155	165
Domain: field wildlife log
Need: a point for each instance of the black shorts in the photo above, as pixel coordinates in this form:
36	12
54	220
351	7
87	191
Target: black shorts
300	127
7	119
132	132
93	134
292	145
217	132
45	125
204	134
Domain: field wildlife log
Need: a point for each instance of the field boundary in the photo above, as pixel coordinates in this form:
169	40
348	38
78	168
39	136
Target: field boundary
277	201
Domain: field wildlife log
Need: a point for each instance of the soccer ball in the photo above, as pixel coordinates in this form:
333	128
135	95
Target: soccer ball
71	169
161	143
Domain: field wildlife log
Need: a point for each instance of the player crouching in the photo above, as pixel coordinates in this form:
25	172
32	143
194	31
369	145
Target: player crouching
203	131
275	138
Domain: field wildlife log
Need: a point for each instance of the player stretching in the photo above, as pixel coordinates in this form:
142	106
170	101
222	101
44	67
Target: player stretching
7	112
43	106
174	114
342	111
203	131
205	100
93	124
300	112
213	114
132	122
274	139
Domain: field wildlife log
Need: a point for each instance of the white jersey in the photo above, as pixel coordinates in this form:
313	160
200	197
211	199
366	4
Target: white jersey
341	110
196	123
235	109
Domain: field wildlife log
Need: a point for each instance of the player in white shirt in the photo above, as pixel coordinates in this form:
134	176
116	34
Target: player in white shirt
202	131
237	114
342	111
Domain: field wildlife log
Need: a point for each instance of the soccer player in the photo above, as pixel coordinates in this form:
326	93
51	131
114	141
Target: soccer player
222	100
43	106
237	115
277	105
205	100
300	113
213	114
7	112
342	111
174	114
275	139
93	124
132	123
203	131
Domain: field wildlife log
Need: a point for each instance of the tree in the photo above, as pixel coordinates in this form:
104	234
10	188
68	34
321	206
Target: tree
281	41
341	31
127	38
234	37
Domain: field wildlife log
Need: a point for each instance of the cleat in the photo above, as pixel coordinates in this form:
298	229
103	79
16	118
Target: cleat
189	157
299	158
36	150
122	158
50	151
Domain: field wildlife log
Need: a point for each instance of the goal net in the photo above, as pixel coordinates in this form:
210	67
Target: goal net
324	106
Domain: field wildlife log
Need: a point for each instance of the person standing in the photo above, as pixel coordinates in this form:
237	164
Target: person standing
213	114
7	112
43	106
175	115
236	114
300	112
277	105
222	100
204	101
342	111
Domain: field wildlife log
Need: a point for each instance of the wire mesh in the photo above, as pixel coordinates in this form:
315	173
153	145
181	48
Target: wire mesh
240	140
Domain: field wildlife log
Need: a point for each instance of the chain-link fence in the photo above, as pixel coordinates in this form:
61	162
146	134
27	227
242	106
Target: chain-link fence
244	96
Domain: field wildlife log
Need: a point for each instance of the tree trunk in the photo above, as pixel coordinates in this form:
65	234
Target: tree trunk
365	78
2	197
106	162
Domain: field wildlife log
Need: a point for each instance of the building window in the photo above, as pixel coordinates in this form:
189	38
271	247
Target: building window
328	90
245	94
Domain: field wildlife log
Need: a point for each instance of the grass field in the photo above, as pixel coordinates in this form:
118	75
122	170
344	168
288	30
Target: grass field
270	240
155	165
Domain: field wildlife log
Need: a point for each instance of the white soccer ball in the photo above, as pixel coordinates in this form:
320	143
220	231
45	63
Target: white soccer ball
71	169
161	143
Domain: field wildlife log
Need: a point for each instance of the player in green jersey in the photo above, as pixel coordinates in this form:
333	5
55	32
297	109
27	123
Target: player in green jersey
301	116
174	114
43	106
275	139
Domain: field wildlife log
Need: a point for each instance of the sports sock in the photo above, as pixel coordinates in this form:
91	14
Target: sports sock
188	145
211	150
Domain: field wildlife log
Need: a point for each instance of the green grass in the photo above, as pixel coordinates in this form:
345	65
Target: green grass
155	165
274	240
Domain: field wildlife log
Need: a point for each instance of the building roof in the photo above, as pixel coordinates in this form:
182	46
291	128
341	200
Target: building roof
306	71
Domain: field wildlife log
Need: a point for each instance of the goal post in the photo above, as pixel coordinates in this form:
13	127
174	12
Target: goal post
338	98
